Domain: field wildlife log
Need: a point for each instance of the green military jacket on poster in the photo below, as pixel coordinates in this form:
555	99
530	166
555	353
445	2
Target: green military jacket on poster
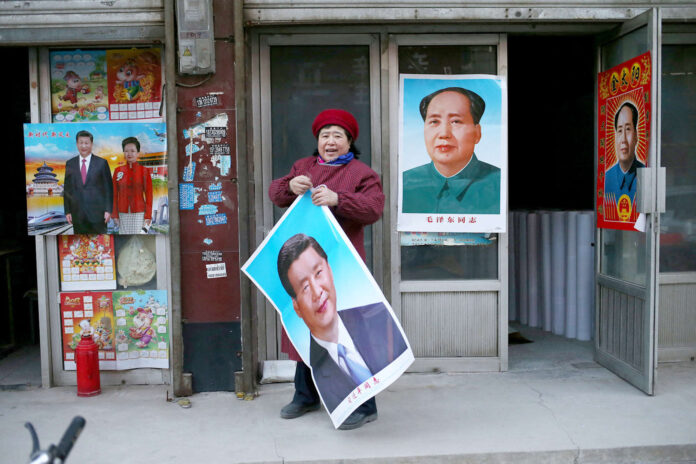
473	190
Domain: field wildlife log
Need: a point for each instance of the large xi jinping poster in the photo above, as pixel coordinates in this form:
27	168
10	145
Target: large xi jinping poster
332	309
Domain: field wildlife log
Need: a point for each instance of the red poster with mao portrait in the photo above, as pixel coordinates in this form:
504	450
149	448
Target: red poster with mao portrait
623	137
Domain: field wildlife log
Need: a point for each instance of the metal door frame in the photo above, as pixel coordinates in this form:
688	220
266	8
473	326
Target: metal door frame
499	285
644	380
268	330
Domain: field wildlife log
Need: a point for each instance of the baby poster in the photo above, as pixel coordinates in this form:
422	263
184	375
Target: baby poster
88	313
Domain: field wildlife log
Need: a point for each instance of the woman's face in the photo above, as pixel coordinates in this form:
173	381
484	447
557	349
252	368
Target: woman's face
332	142
131	153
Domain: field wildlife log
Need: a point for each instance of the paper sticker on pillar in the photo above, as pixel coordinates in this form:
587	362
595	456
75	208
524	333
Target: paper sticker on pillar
215	197
207	241
224	162
214	187
219	121
215	271
211	255
187	197
206	100
216	219
189	171
219	149
215	132
205	210
192	148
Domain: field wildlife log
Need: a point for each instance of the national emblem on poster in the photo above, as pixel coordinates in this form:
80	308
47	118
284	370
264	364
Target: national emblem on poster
623	140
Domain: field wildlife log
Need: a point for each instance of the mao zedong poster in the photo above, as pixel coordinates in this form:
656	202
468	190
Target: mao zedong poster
120	159
331	307
623	137
452	153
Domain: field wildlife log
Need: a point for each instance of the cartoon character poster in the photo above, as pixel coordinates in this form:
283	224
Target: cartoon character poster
142	328
88	313
102	85
452	153
135	83
332	309
87	262
130	328
624	136
78	85
50	151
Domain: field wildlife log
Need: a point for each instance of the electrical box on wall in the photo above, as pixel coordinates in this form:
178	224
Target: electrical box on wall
196	36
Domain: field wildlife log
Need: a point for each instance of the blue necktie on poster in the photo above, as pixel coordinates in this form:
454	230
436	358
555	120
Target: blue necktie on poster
357	372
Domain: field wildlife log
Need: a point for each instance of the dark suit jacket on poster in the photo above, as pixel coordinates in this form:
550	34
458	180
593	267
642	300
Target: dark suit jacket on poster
377	339
87	203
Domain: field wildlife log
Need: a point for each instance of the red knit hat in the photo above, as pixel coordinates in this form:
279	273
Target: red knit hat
336	117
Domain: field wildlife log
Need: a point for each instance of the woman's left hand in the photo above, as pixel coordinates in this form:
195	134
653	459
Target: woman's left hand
324	196
148	222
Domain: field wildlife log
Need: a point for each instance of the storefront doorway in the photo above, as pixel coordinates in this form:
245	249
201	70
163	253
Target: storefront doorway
551	133
20	364
453	301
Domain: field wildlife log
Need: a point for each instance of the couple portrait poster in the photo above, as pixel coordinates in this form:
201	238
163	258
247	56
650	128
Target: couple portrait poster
327	298
452	153
96	178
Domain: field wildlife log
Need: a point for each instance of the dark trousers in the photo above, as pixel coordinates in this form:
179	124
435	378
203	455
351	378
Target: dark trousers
306	392
86	227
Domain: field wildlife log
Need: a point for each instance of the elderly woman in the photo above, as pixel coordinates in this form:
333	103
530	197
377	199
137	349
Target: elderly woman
132	191
353	193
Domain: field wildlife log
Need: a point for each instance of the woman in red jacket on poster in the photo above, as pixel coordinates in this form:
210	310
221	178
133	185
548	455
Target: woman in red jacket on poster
132	192
353	193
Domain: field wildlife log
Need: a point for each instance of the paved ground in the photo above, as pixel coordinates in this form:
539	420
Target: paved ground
553	405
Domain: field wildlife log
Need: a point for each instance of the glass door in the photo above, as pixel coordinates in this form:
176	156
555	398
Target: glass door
451	297
300	76
625	337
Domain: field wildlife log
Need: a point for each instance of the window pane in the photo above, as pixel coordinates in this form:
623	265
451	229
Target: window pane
623	255
678	229
623	252
306	80
445	262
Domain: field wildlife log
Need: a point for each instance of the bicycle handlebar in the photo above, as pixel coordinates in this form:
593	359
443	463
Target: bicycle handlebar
70	437
49	455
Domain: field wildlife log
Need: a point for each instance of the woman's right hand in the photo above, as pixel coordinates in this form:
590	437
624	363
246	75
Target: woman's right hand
300	184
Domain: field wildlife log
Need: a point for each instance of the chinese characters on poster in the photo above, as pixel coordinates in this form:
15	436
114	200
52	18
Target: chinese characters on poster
452	153
123	190
348	336
623	135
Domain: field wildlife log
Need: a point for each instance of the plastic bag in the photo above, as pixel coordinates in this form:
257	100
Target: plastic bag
136	264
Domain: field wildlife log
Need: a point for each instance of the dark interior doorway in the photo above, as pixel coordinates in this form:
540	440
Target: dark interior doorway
551	88
18	308
551	122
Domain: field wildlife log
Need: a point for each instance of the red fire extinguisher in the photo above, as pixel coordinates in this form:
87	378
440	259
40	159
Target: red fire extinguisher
87	360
